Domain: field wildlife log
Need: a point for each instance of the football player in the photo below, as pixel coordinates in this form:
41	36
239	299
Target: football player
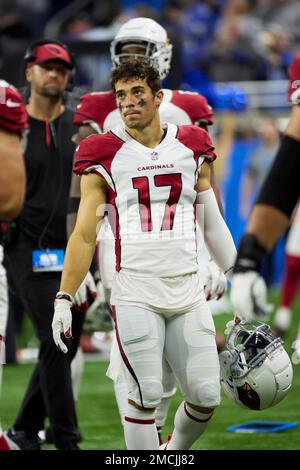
283	315
13	124
270	216
97	113
158	296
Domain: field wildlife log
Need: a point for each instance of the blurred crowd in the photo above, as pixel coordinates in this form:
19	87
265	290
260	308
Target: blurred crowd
220	40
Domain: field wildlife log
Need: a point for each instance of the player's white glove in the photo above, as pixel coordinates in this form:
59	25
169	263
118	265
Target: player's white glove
214	281
80	297
296	353
229	325
62	322
249	296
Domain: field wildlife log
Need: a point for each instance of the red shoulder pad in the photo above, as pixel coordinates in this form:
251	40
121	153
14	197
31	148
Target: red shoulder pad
95	107
96	150
198	140
294	81
195	105
13	114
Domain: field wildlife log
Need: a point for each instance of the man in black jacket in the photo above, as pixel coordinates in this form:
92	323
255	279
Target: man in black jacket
35	254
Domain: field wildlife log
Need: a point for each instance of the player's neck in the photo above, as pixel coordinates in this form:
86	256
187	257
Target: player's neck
150	136
44	108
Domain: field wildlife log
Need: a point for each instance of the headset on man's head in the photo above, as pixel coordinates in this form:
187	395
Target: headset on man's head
29	56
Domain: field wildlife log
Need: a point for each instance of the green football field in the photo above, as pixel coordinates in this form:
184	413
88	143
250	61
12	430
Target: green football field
100	424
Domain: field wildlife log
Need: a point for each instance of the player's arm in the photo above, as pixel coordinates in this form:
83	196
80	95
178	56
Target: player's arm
216	233
82	242
12	175
213	176
215	186
79	254
276	201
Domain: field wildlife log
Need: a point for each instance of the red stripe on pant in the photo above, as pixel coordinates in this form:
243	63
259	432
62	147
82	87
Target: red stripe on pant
291	280
4	444
139	421
193	417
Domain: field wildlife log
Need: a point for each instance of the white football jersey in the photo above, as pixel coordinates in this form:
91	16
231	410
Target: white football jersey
178	107
151	196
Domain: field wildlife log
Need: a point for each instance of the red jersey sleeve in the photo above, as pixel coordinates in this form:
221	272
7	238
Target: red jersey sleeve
13	114
195	105
96	154
294	81
199	141
94	107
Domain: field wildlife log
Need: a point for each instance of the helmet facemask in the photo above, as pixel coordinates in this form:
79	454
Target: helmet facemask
159	54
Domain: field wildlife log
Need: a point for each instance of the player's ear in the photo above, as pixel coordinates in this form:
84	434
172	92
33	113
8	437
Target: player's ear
159	96
28	74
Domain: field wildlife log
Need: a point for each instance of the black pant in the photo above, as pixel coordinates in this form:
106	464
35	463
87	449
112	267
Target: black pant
14	322
49	392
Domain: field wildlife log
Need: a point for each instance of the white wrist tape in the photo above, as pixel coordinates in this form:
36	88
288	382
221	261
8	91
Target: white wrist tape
216	234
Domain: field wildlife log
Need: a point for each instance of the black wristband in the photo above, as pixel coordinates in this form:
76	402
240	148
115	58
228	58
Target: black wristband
250	255
65	296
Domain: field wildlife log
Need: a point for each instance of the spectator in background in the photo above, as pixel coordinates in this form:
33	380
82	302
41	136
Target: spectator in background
286	13
276	51
233	54
198	23
259	162
14	20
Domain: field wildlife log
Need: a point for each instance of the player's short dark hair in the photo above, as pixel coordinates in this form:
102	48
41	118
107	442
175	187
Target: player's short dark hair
137	68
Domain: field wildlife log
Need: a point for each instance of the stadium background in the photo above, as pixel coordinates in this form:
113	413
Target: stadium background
236	53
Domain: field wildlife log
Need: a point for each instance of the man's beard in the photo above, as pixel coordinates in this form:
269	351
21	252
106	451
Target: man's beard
139	126
50	92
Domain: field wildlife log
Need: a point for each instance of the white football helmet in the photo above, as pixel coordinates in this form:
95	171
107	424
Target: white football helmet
148	36
256	371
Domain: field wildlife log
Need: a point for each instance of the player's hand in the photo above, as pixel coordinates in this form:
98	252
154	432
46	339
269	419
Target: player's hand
296	353
214	280
62	322
81	296
230	325
249	296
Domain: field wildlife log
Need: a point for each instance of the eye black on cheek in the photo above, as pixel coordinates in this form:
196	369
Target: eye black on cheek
141	102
